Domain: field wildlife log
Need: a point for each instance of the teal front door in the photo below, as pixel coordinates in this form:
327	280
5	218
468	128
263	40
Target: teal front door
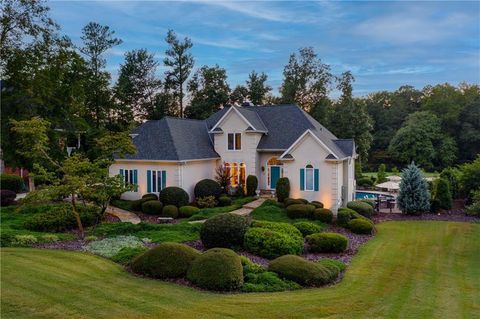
274	176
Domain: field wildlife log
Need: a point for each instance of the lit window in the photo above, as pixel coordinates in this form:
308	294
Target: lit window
237	173
234	141
309	178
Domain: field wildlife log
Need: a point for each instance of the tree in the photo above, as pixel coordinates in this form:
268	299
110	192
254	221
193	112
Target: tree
180	62
443	196
413	197
306	79
222	177
23	22
381	175
208	90
97	39
239	95
257	87
420	139
137	85
470	176
349	118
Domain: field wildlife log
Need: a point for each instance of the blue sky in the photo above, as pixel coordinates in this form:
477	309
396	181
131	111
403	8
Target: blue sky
384	44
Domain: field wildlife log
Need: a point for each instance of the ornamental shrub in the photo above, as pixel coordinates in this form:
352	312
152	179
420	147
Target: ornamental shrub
59	218
452	176
335	267
365	182
370	202
206	202
174	196
362	208
323	214
345	214
217	269
127	254
252	184
327	243
300	211
280	227
7	197
361	226
282	190
291	201
270	243
267	281
301	271
207	187
13	183
170	211
24	240
317	204
152	207
187	211
109	247
167	260
413	198
474	208
151	196
223	230
443	195
224	201
136	205
307	228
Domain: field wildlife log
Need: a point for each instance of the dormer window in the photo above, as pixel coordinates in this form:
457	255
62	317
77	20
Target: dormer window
234	142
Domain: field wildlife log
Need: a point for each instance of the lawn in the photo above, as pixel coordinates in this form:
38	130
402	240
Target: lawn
409	270
374	174
206	213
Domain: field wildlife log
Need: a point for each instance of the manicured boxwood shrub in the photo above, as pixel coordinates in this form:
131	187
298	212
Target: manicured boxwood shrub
137	204
361	226
334	267
187	211
150	195
291	201
300	211
327	243
344	215
362	208
285	228
301	271
217	269
224	201
267	281
370	202
152	207
307	228
323	214
174	196
365	182
224	230
252	184
317	204
206	202
167	260
170	211
13	183
271	243
207	187
282	190
7	197
59	218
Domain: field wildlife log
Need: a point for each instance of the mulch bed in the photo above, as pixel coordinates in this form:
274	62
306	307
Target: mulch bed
75	244
153	219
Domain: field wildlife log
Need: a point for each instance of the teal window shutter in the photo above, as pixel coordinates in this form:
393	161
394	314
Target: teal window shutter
302	179
164	179
121	172
135	177
149	181
315	179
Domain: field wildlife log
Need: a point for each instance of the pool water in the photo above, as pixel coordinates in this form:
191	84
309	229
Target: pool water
365	195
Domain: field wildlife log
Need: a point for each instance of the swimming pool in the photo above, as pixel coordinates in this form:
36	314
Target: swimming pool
368	195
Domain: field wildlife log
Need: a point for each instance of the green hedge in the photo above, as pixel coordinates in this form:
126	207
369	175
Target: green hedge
207	187
322	214
270	243
291	201
150	195
300	211
224	230
170	211
217	269
167	260
13	183
362	208
280	227
301	271
152	207
282	190
174	196
252	184
187	211
307	228
317	204
344	215
224	201
327	243
361	226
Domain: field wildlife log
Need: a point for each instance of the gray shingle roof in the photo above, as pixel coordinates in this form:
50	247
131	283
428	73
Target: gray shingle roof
173	139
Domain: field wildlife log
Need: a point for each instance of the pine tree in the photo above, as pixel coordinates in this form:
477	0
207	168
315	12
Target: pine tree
443	196
381	175
414	197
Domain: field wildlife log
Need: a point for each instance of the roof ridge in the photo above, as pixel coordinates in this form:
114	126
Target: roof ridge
172	139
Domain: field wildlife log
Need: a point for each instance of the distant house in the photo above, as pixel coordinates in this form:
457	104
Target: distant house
266	141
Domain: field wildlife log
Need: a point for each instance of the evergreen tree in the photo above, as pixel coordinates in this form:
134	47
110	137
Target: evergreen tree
443	196
414	196
381	175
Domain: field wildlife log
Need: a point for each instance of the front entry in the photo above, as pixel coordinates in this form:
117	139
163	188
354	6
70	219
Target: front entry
274	176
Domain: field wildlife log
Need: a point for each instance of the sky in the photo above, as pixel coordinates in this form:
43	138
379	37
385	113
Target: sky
384	44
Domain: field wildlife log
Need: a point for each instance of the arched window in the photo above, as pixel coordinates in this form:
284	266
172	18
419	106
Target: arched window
309	178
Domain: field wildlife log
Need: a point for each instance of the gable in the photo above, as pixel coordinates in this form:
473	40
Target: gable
307	146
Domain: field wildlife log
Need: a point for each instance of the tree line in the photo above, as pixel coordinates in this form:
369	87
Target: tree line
46	75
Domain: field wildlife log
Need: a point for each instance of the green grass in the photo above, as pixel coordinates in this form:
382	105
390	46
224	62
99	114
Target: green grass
409	270
210	212
12	224
273	213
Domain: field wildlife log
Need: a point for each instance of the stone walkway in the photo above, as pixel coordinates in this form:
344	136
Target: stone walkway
244	211
123	215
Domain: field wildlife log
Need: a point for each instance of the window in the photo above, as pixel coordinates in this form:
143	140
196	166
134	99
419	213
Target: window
309	178
236	172
156	181
129	176
234	142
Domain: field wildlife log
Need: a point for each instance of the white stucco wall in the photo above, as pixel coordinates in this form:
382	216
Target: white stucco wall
184	175
233	123
263	157
309	151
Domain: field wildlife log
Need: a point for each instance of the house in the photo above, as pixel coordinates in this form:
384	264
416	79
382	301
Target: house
266	141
